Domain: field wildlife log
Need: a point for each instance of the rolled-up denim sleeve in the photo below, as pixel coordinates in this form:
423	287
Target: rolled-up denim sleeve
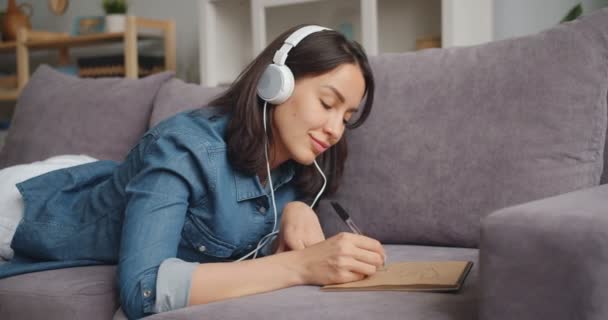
173	284
158	197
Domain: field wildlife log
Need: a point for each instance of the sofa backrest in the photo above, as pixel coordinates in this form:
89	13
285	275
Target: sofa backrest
176	95
60	114
458	133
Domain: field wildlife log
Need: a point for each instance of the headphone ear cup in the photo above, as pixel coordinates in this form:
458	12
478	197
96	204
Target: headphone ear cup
276	84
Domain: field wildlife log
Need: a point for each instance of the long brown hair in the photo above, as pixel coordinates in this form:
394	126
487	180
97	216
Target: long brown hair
316	54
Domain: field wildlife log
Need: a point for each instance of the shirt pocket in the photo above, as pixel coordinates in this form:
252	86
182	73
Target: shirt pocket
202	240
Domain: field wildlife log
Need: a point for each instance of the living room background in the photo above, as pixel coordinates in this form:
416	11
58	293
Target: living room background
511	18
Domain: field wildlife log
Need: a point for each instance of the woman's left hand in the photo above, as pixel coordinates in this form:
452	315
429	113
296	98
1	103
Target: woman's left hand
300	228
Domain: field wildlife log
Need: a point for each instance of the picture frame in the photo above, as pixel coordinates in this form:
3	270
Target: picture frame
85	25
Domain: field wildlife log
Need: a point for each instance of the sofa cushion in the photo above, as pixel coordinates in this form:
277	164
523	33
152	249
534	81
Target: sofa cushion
72	293
460	132
61	114
176	95
309	302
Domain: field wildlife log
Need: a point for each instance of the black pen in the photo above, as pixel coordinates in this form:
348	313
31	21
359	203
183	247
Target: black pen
345	217
349	222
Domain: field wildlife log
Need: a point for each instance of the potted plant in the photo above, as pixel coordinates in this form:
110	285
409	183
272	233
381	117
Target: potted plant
115	15
577	10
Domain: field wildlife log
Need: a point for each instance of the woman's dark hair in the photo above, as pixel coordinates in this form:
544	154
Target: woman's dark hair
316	54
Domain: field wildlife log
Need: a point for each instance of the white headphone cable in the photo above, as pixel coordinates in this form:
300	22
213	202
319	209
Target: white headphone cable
274	232
322	188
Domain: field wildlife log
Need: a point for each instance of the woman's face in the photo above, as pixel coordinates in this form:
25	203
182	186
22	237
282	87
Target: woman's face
313	118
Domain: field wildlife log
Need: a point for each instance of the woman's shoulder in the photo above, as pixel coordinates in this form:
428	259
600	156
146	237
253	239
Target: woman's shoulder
203	125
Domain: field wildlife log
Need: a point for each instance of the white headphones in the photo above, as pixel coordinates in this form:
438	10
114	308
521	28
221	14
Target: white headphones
275	86
277	82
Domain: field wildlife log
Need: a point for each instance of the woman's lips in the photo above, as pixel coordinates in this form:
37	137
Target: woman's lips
318	145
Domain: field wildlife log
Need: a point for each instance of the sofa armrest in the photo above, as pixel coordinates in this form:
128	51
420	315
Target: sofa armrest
546	259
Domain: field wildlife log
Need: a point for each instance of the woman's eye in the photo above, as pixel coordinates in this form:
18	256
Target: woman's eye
326	106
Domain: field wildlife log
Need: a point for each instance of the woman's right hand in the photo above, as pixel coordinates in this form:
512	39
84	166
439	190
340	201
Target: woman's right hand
342	258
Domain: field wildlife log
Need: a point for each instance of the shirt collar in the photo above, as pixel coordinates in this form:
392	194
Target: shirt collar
249	187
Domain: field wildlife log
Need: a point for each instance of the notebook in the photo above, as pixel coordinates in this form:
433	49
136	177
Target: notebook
435	276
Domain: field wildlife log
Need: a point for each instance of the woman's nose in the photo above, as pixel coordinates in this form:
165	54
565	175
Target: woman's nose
334	128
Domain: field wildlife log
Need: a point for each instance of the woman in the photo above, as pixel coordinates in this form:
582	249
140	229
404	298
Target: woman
214	185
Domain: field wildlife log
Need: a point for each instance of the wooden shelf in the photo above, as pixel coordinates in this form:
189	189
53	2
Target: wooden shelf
8	46
8	95
83	41
41	40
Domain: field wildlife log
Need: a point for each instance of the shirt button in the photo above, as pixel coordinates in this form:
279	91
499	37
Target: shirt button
202	248
249	246
147	293
262	210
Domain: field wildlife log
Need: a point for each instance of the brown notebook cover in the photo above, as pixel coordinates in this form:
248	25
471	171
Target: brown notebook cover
437	276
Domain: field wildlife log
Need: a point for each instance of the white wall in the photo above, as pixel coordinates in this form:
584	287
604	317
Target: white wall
184	12
466	22
521	17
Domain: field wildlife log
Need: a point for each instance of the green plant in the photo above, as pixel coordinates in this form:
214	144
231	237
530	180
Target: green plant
573	13
577	11
115	6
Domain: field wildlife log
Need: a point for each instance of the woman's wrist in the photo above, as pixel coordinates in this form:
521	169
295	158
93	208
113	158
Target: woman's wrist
292	261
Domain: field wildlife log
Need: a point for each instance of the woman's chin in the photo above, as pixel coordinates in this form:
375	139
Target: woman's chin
305	158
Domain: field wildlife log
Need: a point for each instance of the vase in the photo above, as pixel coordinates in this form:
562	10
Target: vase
115	22
14	19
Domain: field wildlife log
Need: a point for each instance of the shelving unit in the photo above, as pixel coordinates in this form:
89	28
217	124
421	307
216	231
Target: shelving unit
233	32
38	40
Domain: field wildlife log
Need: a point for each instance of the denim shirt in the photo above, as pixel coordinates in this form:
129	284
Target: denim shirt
175	200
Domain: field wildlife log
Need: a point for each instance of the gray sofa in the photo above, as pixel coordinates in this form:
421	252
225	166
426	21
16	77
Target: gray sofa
493	153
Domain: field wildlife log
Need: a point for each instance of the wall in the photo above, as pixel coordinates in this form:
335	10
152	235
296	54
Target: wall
184	12
466	22
521	17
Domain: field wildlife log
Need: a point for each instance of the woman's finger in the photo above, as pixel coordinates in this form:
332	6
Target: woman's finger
361	267
367	243
369	257
349	276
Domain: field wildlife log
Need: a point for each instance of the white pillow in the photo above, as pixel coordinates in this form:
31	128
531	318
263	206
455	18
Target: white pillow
11	203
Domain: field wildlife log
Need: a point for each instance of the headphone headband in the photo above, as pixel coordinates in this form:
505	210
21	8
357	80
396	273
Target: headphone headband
281	55
276	83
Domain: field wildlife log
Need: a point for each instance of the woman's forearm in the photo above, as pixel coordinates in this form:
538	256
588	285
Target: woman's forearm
218	281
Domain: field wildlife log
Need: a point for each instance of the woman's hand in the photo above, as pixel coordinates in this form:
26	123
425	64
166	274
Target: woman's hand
300	228
342	258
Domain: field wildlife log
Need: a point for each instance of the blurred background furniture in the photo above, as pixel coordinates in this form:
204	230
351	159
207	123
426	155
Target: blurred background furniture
232	32
136	29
